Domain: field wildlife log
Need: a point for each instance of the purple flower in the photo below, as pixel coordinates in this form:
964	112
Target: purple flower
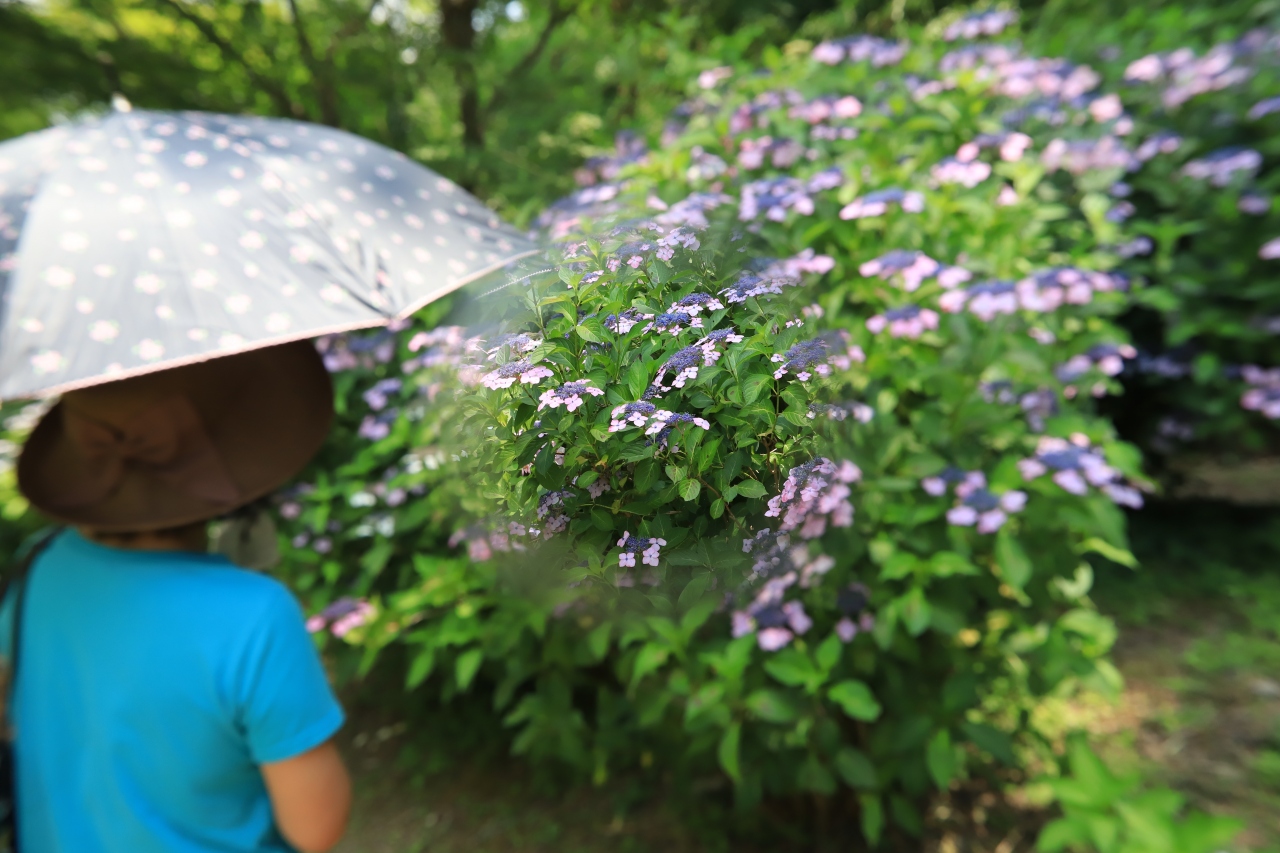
773	639
568	395
910	322
815	494
1264	107
846	630
506	375
875	204
1221	166
647	548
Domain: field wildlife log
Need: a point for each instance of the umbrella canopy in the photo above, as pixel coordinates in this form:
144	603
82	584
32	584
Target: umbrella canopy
143	240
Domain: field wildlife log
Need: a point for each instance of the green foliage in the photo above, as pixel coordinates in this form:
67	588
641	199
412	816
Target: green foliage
1106	813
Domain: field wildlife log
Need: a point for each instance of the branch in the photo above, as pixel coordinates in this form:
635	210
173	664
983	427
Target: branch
277	93
320	79
559	14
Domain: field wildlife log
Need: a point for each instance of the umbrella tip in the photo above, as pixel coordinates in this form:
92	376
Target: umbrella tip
120	103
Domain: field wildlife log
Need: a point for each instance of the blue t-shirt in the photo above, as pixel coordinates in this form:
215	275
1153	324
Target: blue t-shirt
151	686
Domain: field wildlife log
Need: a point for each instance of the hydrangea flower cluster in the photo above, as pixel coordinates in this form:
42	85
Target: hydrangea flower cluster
775	196
342	617
909	321
1107	359
852	602
1186	75
684	364
815	494
878	203
861	412
970	27
749	285
551	511
813	356
568	395
506	375
1077	466
915	268
775	622
1221	167
649	550
985	300
975	504
1263	395
861	48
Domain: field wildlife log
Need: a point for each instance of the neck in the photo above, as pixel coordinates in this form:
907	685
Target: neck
191	538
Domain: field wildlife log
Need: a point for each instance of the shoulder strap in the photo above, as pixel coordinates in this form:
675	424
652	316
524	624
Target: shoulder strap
16	581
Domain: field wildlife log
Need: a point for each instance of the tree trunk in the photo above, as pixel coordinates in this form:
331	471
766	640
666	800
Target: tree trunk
459	38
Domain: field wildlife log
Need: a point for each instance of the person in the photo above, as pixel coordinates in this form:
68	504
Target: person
166	699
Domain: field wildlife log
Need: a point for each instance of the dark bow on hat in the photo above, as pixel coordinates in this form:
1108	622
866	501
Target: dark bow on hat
166	442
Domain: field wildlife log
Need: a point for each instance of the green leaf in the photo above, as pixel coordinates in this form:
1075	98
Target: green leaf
813	776
650	657
690	489
772	706
1063	833
872	817
856	769
940	756
1116	555
637	379
466	667
728	751
1015	565
828	653
990	739
915	612
602	518
598	641
856	699
793	668
675	473
751	489
753	385
420	668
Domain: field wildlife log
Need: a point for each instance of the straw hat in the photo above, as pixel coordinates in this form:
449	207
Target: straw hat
180	445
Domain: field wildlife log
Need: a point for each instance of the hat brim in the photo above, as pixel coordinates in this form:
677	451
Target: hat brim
267	412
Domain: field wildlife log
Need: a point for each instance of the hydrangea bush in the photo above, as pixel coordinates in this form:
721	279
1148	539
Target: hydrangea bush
786	462
1192	172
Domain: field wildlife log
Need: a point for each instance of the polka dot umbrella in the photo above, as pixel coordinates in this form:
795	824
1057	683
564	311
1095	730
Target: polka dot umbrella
144	240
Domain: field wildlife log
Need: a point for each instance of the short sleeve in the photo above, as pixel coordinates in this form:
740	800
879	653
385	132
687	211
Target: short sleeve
286	704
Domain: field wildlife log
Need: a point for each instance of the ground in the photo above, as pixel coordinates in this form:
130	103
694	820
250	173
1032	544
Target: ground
1199	650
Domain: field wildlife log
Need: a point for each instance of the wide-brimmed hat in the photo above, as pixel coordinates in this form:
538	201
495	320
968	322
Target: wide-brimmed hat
180	445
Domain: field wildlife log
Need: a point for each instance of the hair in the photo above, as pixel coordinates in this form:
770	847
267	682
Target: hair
130	538
184	532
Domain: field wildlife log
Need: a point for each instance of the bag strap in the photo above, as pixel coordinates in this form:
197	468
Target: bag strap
17	580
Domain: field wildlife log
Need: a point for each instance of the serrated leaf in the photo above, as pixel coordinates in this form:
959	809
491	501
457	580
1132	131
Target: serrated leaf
751	489
690	489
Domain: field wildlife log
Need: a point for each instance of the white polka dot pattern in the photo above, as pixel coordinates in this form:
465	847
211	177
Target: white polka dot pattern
142	239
